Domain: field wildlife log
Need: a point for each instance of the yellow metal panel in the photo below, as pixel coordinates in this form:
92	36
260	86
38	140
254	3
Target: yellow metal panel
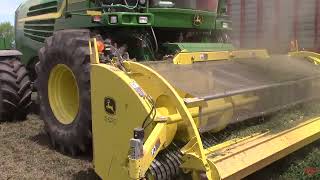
46	16
112	132
152	146
258	53
315	57
156	86
245	155
192	57
94	13
237	160
94	55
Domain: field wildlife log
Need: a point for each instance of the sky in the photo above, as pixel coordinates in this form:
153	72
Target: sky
7	10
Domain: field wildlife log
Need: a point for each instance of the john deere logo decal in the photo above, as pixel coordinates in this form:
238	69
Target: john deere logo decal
110	106
197	20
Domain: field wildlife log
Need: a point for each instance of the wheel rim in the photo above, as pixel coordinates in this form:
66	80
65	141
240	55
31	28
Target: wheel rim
63	93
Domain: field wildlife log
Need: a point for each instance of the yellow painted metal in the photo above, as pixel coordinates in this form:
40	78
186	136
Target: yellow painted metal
135	109
222	110
156	86
94	13
152	146
63	93
46	16
94	54
192	57
237	160
177	116
134	112
170	104
314	57
253	53
217	107
112	132
232	142
58	14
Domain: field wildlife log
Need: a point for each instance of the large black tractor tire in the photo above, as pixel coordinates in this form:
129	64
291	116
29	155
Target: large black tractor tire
15	90
64	70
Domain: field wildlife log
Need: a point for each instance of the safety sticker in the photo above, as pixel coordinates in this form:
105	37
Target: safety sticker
155	147
138	89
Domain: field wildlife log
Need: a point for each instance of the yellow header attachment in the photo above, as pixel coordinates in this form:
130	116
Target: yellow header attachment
137	115
312	56
192	57
121	103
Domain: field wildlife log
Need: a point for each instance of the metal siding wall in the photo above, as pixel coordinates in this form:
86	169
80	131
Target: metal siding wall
267	37
317	25
235	16
306	16
285	25
250	23
280	23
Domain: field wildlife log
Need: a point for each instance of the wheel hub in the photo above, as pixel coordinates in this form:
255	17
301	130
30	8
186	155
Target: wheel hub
63	93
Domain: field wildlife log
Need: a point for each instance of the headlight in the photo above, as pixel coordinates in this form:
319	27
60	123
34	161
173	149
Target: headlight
143	20
113	19
225	25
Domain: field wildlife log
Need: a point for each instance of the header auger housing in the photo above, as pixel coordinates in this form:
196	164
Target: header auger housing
149	83
180	139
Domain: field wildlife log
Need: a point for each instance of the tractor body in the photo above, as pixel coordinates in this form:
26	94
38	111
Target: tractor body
183	25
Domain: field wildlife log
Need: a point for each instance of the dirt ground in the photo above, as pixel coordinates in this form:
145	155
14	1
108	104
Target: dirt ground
26	153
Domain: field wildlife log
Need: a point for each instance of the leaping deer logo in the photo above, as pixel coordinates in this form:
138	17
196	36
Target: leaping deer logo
110	106
197	20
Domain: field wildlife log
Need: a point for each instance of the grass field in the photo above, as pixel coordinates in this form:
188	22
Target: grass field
26	153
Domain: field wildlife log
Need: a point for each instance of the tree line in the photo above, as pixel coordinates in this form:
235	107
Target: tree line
7	31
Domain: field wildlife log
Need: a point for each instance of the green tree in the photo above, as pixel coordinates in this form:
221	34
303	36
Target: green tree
7	32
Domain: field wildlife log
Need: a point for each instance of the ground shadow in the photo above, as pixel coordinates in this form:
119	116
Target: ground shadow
43	139
88	174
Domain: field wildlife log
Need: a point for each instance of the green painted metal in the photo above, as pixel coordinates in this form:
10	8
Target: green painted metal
127	19
31	35
221	21
197	47
182	18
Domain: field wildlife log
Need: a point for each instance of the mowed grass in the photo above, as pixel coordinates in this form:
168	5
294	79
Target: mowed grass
305	166
26	153
301	165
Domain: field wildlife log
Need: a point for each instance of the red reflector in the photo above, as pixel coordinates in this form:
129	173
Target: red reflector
96	18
